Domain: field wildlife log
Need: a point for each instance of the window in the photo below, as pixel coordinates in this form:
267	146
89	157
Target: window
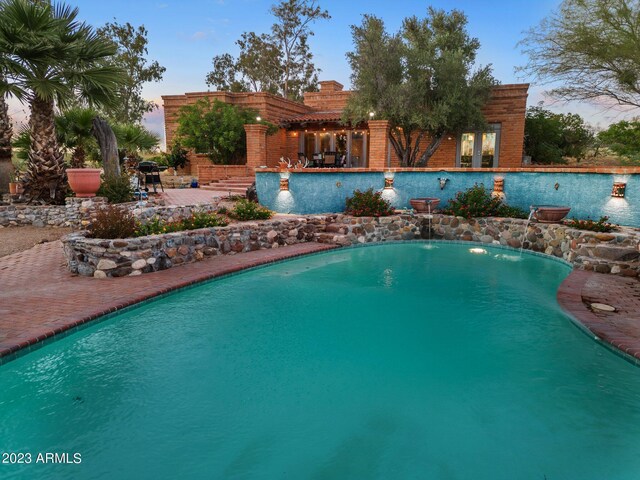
479	149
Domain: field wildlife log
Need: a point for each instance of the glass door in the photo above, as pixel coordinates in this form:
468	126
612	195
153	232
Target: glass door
466	149
488	150
479	149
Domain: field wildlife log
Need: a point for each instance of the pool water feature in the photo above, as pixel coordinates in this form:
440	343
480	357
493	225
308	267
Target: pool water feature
394	361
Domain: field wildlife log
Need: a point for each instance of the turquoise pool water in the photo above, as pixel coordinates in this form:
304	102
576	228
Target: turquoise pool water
395	361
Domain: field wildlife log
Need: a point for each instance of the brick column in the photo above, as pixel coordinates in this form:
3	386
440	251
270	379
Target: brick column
256	145
379	143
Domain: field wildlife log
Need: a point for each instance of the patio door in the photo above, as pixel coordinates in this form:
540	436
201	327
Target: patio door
479	149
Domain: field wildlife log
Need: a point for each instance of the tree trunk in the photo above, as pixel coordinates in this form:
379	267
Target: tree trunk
6	165
108	147
431	149
78	158
46	178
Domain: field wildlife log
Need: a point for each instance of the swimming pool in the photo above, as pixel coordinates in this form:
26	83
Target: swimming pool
392	361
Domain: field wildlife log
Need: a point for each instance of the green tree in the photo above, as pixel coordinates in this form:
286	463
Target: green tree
420	79
216	129
280	62
48	57
6	132
590	49
623	138
550	137
291	33
74	128
134	139
131	57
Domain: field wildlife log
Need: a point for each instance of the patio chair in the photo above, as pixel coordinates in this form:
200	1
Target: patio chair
318	160
330	159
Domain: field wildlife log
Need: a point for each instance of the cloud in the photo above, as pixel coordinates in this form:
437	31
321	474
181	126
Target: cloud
162	5
199	36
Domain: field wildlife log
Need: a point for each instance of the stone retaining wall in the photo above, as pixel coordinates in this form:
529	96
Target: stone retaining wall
616	253
78	212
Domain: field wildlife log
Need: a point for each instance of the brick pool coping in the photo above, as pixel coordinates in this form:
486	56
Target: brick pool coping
40	299
619	330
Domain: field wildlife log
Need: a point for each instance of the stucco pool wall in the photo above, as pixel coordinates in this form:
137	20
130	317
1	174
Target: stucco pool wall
588	194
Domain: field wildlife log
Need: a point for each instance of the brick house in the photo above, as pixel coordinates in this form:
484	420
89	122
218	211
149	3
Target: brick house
314	127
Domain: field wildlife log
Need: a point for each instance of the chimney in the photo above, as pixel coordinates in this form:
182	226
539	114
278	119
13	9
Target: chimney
330	86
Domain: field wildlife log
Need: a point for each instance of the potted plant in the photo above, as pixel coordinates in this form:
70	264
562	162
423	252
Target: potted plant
15	185
74	128
84	182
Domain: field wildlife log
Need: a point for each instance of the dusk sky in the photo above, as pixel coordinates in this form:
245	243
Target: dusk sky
185	36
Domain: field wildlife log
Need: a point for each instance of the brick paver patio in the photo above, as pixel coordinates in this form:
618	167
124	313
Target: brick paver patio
190	196
620	328
39	298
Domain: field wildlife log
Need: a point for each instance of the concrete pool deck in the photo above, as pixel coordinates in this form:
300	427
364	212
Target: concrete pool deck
40	298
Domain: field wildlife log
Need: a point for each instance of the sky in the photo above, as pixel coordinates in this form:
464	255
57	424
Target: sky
184	36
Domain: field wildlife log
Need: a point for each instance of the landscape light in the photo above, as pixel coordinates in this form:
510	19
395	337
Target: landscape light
618	189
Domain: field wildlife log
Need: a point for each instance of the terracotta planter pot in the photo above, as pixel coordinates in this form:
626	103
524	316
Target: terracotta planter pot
421	205
84	182
550	213
15	188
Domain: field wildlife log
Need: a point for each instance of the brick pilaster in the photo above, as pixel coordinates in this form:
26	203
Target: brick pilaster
379	143
256	145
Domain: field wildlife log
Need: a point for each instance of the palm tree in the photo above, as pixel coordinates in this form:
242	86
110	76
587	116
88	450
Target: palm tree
73	128
6	167
134	139
49	58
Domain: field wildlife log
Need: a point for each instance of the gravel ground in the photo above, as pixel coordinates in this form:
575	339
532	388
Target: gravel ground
18	239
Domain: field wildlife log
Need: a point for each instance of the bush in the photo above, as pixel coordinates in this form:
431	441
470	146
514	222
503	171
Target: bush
368	204
478	202
113	222
599	226
177	156
247	210
196	220
512	212
116	189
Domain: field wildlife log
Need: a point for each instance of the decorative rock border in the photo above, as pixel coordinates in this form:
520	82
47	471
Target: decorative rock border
615	253
78	212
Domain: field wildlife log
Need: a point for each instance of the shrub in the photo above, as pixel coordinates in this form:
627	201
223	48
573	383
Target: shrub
177	156
247	210
196	220
116	189
112	222
368	204
511	212
600	226
478	202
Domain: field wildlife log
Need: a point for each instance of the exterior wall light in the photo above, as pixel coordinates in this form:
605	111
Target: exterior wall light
371	114
388	180
259	119
498	187
618	189
284	181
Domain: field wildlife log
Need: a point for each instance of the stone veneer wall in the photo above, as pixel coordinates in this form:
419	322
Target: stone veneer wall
78	212
616	253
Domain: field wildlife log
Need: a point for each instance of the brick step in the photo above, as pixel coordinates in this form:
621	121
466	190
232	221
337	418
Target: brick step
230	185
236	190
248	180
